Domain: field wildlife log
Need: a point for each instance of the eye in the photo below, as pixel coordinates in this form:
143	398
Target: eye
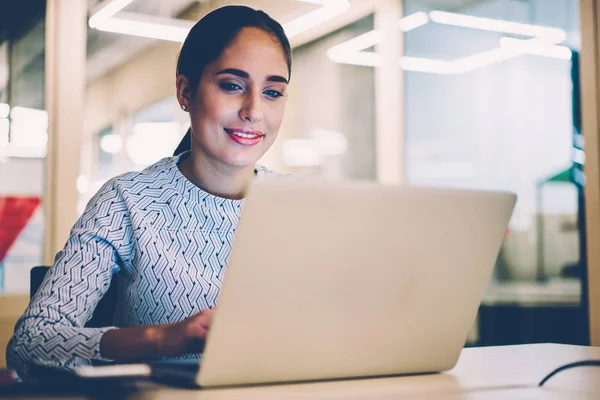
230	87
273	93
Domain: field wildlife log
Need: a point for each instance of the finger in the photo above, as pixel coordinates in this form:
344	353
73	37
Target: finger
196	330
203	317
209	315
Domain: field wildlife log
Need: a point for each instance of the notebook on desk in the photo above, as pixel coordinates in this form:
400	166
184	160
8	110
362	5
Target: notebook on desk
347	280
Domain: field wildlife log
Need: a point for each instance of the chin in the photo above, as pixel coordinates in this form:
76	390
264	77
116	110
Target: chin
242	160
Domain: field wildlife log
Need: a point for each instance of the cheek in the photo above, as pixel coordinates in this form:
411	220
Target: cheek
215	107
276	116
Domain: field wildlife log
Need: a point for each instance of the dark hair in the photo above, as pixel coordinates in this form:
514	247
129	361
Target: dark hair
211	35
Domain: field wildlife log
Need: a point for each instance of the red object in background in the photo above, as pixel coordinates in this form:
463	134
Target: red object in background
15	213
8	378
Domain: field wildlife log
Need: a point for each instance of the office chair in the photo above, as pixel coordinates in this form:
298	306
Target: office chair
105	310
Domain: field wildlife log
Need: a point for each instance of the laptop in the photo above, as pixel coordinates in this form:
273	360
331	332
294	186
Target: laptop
331	280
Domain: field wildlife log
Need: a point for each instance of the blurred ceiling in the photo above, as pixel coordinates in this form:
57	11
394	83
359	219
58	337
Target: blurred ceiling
108	50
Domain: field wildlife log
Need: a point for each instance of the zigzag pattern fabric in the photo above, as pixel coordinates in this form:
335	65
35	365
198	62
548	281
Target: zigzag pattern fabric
168	240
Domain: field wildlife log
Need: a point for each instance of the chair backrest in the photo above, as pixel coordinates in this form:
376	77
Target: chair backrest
105	310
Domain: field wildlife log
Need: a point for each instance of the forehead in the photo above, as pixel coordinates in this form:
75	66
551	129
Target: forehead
256	52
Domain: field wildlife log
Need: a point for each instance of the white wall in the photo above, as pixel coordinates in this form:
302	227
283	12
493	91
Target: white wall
334	97
506	126
143	81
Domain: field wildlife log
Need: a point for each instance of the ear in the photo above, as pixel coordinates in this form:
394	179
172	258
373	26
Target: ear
184	91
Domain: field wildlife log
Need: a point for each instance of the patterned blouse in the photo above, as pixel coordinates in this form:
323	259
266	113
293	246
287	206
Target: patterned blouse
168	240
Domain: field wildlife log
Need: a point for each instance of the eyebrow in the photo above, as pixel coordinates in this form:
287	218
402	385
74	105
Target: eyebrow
245	75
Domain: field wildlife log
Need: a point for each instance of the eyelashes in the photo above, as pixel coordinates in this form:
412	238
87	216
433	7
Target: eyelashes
273	93
230	87
234	87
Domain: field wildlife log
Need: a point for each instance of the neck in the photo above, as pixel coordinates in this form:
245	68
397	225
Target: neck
216	178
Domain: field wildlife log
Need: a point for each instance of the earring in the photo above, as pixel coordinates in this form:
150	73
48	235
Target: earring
183	107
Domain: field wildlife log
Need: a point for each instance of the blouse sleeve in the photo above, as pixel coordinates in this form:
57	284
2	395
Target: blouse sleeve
51	331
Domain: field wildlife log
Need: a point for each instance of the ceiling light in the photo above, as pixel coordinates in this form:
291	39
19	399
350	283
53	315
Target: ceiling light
145	28
107	9
536	47
110	18
361	42
413	21
418	64
374	37
362	58
350	51
554	35
543	43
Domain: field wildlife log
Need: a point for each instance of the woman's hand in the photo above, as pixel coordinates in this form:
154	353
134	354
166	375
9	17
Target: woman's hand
167	340
187	336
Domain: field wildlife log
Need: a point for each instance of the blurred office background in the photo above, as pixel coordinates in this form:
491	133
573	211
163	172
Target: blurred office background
476	94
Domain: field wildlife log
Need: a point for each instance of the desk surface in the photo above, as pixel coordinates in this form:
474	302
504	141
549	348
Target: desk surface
481	373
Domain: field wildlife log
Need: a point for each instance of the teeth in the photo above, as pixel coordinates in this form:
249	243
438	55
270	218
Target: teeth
245	135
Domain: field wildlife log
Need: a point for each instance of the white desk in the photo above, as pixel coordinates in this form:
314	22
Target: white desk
510	372
481	373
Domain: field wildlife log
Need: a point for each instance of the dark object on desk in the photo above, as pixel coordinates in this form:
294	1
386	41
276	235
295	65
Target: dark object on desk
585	363
105	310
507	324
94	390
573	270
55	382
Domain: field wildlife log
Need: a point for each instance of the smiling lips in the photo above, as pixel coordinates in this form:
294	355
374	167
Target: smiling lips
245	137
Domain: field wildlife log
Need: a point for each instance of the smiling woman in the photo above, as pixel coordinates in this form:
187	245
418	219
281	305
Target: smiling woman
167	230
234	89
236	107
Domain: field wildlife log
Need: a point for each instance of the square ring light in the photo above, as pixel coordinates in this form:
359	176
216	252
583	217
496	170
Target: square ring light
543	42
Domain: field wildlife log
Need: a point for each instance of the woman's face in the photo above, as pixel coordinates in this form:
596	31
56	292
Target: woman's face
239	103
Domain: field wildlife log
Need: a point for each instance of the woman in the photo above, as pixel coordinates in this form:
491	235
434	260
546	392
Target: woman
167	231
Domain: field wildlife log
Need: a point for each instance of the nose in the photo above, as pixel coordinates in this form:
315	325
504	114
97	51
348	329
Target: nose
251	108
